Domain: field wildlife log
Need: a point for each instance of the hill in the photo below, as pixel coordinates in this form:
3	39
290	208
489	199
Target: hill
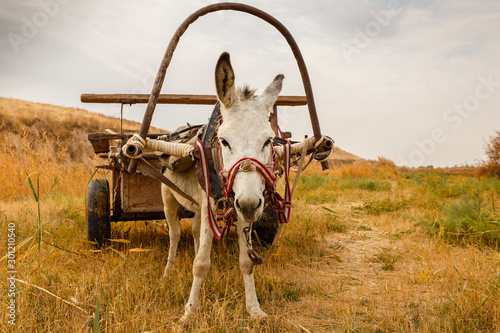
342	157
60	131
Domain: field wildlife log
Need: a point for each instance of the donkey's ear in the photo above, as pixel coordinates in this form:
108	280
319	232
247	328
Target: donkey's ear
224	80
270	95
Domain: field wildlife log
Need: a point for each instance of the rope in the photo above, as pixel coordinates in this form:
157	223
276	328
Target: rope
308	143
170	148
299	169
295	148
323	156
136	145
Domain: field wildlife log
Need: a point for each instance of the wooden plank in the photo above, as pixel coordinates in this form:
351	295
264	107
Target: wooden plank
109	136
100	141
176	99
140	193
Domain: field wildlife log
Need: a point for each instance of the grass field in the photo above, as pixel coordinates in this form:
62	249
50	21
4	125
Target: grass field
370	248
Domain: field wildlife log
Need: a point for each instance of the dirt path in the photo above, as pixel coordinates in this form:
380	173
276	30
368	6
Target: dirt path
370	283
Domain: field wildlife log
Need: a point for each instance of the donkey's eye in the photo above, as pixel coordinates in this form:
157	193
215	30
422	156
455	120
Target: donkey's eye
267	143
225	143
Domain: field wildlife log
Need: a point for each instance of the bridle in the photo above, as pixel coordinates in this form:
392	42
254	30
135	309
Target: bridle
225	213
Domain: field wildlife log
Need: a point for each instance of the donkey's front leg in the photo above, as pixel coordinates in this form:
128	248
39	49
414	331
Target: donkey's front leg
247	268
196	232
174	227
201	263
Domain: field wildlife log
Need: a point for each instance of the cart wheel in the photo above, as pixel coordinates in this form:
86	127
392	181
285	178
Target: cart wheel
267	226
98	210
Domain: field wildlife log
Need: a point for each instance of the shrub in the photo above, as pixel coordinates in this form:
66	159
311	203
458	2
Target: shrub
491	167
493	149
386	168
473	218
374	185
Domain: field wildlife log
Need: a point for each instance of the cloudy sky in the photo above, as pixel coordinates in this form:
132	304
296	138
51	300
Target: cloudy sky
415	81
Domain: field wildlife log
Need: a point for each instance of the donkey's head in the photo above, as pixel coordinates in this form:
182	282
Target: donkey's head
245	133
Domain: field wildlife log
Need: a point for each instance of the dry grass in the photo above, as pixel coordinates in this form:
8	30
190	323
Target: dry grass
361	254
50	141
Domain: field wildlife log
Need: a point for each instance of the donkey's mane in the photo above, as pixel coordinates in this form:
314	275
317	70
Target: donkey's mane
245	92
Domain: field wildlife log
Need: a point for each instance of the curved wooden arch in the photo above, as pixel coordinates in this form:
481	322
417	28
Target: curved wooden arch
160	77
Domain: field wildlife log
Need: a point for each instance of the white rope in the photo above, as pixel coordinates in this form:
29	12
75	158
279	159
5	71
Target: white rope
308	143
170	148
296	147
329	153
138	142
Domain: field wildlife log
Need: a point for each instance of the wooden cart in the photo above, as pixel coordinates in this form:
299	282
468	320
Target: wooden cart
136	196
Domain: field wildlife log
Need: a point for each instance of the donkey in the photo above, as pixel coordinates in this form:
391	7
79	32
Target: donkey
245	133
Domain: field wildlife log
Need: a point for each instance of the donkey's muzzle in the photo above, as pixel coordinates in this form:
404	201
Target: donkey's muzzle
250	209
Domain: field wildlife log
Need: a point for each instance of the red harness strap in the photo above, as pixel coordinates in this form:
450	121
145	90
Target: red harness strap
218	233
283	205
228	215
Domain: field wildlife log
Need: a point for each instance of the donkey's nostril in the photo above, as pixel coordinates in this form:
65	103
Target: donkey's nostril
259	204
237	204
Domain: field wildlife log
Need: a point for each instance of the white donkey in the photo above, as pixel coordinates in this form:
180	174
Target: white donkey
244	133
246	144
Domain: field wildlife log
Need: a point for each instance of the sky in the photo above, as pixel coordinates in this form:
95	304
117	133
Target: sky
414	81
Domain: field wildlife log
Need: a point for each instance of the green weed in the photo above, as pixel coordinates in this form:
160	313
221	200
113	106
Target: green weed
314	181
387	205
374	185
473	218
334	223
388	259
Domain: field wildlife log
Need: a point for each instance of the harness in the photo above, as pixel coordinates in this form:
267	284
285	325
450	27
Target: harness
225	213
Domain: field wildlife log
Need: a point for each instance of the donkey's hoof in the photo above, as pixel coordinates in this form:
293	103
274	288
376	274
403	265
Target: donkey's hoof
185	319
258	314
168	270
